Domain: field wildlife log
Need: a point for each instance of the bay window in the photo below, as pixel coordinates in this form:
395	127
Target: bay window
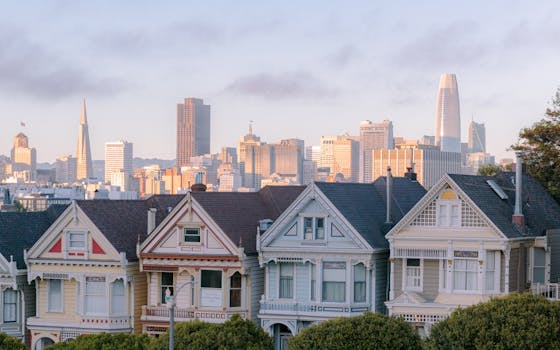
539	263
10	305
334	281
118	300
286	284
465	274
235	290
313	281
95	298
166	283
359	283
54	295
413	275
211	288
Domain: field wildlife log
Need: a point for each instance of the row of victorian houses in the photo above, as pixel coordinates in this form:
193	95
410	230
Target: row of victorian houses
285	257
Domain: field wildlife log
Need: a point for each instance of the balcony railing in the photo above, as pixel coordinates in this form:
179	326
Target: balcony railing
161	313
103	323
547	290
293	307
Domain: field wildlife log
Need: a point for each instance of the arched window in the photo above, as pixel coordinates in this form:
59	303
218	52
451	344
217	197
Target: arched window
235	290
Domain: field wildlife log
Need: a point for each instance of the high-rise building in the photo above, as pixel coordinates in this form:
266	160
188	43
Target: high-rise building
477	137
193	130
65	169
24	159
118	158
288	158
84	167
429	163
327	152
246	154
373	136
448	118
346	158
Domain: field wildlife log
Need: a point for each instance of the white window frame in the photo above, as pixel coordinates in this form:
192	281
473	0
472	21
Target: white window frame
354	283
15	292
324	280
312	282
478	289
314	227
443	280
124	296
293	265
444	212
497	269
420	277
204	289
49	306
104	297
240	288
68	244
183	233
532	265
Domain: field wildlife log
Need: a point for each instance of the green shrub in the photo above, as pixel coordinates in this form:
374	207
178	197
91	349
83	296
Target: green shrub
105	341
517	321
369	331
10	343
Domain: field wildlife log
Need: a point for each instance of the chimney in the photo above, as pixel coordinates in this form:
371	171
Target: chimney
410	174
151	219
389	181
518	217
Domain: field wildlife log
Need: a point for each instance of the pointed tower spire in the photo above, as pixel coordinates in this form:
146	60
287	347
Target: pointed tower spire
84	168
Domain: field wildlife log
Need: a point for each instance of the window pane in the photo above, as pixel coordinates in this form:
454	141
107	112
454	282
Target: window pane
55	295
286	280
540	259
313	279
95	295
211	279
412	262
191	235
235	290
235	280
307	228
538	275
320	228
76	240
334	281
118	302
359	283
334	291
10	305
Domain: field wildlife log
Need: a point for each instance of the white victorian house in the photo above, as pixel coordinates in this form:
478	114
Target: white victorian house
468	239
204	254
326	255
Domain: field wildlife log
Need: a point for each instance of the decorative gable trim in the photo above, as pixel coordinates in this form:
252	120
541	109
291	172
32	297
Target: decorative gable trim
417	212
57	247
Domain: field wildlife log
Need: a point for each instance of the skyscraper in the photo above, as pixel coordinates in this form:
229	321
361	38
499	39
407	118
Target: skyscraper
118	158
477	137
84	167
373	136
288	158
24	158
448	118
193	130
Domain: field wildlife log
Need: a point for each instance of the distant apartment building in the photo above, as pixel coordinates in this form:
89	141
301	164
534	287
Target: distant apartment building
230	181
24	159
373	136
228	155
346	156
429	163
309	170
327	152
65	169
193	130
118	158
288	157
477	137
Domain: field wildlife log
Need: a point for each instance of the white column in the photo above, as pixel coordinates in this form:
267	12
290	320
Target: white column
507	256
319	280
349	281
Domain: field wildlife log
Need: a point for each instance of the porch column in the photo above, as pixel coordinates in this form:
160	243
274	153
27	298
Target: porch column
507	254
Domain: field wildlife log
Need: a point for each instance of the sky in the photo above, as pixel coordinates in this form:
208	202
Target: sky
296	68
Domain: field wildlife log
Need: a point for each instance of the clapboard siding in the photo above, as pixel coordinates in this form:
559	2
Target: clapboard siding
302	281
140	290
273	280
398	277
431	279
380	276
254	286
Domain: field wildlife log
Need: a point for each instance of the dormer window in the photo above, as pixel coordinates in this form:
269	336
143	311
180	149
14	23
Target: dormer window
449	209
191	235
313	228
76	241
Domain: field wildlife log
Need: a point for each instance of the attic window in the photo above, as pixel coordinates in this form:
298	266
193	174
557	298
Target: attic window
499	191
76	241
191	235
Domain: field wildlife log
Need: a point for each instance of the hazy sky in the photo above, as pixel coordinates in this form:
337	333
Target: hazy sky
297	68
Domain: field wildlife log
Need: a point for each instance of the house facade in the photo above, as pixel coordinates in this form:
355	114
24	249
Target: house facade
204	254
470	238
19	231
326	255
86	272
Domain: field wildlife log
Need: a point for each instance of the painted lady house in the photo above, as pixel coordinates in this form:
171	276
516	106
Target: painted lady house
468	239
209	239
19	231
326	255
86	271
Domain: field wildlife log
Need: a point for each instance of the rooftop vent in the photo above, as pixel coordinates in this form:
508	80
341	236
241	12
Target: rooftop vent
499	191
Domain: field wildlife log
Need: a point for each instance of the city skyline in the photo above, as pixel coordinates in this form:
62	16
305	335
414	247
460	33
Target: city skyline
366	62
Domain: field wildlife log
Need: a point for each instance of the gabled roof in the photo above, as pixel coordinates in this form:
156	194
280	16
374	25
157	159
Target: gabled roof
541	211
124	222
364	205
20	230
238	213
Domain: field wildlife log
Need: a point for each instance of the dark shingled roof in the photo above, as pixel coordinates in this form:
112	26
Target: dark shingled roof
364	205
541	211
124	222
19	231
238	213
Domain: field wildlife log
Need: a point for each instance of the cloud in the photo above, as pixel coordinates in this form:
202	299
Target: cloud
27	68
289	85
454	44
343	56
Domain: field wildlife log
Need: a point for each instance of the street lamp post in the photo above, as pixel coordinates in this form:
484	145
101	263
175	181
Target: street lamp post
170	301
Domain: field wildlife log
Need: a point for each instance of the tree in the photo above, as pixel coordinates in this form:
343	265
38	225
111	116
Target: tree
234	334
369	331
489	170
105	341
517	321
539	147
11	343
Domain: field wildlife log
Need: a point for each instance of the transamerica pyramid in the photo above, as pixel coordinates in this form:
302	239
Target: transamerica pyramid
83	152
